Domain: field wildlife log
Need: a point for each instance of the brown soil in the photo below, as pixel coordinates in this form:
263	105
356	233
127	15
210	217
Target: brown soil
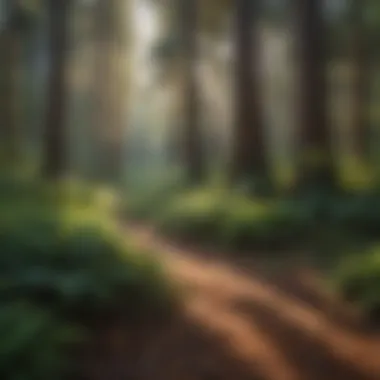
246	325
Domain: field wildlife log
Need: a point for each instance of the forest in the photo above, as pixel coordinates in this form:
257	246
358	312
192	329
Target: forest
189	190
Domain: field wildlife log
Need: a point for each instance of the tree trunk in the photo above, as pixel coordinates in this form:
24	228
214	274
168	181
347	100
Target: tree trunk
54	158
361	70
111	43
102	80
9	86
249	162
315	146
192	134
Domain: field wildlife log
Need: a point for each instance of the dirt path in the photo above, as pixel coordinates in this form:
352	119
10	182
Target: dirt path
249	326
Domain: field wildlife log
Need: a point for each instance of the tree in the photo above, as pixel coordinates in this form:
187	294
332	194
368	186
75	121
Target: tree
181	24
192	135
315	145
249	161
15	22
361	71
111	36
54	155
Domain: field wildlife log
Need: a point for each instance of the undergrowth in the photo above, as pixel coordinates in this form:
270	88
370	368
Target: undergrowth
358	279
65	271
224	219
334	231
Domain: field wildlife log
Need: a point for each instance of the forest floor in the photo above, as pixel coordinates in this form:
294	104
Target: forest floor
240	324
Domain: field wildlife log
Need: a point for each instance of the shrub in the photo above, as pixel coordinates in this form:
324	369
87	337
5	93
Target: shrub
194	215
82	271
222	219
358	278
145	204
34	343
271	225
359	215
63	262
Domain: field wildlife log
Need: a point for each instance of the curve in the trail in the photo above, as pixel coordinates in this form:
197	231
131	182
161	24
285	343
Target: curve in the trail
247	326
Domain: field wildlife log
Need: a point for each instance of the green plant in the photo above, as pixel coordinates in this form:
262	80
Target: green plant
223	219
144	204
83	267
358	278
272	225
194	216
359	215
318	221
34	343
63	262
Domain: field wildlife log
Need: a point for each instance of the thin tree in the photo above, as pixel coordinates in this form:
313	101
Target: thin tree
361	70
54	154
249	159
110	84
10	41
192	135
315	158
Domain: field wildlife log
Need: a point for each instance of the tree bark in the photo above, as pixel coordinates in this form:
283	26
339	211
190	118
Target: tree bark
249	162
315	161
9	86
193	156
54	155
110	86
361	71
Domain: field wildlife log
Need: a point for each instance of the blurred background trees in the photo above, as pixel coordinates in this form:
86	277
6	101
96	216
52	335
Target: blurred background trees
245	125
299	58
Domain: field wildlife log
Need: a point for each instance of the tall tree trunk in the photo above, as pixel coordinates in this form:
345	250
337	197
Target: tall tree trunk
361	70
102	36
110	82
54	155
315	146
9	85
192	134
249	162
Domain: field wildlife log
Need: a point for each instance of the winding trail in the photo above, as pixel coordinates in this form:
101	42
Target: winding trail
241	326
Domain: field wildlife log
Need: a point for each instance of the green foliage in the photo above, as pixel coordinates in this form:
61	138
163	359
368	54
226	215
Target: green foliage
63	262
221	219
146	202
193	216
358	278
358	215
34	343
224	219
83	272
272	225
